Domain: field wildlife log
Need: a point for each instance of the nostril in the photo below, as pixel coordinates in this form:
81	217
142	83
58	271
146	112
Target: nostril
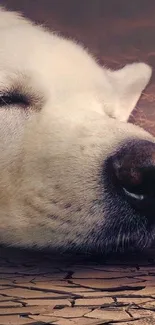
126	174
140	181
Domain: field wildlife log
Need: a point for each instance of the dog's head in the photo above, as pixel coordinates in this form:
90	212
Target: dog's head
73	173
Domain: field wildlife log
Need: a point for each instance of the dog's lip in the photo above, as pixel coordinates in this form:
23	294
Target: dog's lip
139	197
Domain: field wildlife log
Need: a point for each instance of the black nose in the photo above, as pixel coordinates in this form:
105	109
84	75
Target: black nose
134	168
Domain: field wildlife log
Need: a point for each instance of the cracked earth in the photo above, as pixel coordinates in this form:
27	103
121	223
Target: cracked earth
40	289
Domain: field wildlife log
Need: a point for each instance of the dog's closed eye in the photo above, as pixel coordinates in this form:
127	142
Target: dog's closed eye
12	98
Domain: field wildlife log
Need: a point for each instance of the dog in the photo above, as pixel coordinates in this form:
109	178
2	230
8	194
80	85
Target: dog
74	174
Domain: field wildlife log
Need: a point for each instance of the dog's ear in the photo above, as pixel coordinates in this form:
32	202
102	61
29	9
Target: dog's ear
127	84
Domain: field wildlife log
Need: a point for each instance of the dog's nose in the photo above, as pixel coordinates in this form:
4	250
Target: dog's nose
134	169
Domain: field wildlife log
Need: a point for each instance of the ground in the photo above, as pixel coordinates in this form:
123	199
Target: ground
37	288
40	288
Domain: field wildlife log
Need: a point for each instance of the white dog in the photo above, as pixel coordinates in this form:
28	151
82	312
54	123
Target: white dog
73	173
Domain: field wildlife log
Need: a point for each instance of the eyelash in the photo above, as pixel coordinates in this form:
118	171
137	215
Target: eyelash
13	99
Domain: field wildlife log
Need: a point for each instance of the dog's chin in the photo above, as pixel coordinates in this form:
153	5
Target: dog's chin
128	243
112	241
125	230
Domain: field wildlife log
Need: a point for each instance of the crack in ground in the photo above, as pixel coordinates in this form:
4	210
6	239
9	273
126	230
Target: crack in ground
122	288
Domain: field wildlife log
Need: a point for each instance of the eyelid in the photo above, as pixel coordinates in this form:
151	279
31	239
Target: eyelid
9	99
